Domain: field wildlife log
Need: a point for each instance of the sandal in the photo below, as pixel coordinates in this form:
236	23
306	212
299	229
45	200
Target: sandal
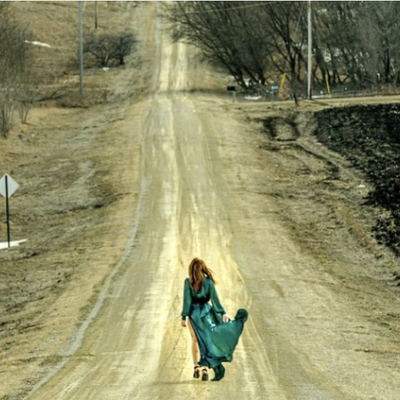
196	372
204	374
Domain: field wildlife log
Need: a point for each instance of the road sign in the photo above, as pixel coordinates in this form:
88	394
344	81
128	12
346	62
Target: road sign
231	88
8	186
275	87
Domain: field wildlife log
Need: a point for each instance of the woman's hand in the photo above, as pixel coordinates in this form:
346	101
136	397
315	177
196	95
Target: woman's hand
183	322
225	318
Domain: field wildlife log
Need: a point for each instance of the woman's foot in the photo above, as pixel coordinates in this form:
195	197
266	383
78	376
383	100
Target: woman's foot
219	372
196	372
204	374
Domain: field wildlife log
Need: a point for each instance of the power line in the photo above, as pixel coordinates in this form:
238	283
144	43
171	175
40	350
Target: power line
228	9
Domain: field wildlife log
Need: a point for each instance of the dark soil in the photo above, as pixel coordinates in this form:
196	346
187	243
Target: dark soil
368	136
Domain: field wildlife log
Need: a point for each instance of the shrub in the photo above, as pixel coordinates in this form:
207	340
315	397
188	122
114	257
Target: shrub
108	48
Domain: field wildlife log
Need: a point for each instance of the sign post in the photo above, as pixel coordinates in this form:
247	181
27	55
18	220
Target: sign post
274	91
7	188
7	212
233	90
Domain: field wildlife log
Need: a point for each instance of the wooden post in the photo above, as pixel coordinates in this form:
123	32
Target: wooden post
8	213
96	8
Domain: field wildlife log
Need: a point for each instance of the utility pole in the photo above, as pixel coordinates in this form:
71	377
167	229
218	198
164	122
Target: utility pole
80	52
309	48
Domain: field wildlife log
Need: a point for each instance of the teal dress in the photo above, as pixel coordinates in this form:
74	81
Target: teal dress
217	340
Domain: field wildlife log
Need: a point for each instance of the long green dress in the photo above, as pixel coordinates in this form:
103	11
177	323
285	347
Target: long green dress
217	340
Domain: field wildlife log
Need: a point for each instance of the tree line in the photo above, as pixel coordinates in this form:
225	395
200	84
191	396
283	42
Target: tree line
355	44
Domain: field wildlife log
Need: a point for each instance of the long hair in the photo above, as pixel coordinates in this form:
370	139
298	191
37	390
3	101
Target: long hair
198	270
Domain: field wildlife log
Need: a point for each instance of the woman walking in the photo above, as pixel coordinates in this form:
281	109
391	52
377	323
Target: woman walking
214	335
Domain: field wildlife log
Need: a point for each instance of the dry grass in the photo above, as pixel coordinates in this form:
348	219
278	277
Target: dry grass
77	169
56	68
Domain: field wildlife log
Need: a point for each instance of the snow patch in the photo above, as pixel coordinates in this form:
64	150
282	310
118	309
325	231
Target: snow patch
36	43
4	245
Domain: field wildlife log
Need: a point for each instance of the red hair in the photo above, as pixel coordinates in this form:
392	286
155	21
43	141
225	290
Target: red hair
198	270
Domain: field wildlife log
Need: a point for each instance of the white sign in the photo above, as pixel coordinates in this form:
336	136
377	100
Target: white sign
12	186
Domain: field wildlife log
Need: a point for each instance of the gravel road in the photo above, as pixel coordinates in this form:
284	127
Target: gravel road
205	189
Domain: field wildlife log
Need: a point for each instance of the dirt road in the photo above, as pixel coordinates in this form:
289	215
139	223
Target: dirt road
202	190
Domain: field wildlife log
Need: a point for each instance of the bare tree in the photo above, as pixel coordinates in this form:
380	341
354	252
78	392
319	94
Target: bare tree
339	55
27	96
253	40
381	39
14	65
124	44
107	48
228	34
100	47
357	41
284	23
